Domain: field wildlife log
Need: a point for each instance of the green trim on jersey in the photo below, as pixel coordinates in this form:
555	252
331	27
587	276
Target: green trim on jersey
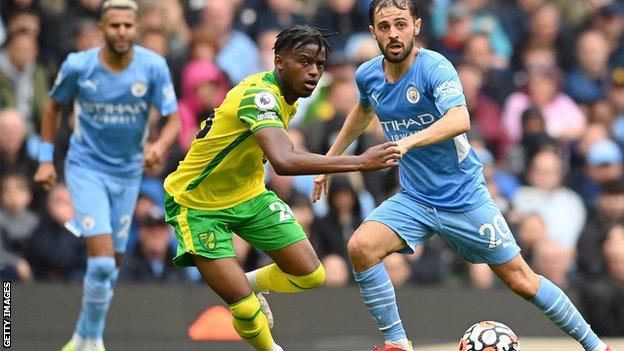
217	160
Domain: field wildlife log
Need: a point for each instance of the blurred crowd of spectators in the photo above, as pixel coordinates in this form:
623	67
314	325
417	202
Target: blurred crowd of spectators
544	82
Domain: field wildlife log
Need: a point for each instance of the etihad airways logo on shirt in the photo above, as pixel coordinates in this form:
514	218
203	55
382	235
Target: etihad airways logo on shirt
114	113
406	123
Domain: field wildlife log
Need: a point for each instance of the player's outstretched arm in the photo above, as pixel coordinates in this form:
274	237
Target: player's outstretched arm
355	124
154	152
46	174
455	121
287	161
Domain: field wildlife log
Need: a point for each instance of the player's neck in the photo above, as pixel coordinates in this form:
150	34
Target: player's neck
289	96
394	71
114	61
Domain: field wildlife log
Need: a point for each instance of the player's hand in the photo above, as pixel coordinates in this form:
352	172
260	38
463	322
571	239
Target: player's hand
320	187
46	175
402	145
381	156
152	156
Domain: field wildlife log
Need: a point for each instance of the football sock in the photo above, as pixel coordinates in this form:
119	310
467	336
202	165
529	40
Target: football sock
379	297
251	324
271	278
560	310
97	294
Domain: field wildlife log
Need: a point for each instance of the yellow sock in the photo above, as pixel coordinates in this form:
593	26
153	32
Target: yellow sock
273	279
251	324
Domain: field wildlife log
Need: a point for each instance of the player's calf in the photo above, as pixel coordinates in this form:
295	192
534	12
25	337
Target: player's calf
272	278
98	292
252	325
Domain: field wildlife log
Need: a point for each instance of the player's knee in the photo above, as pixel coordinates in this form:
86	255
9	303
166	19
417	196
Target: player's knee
101	268
359	248
309	281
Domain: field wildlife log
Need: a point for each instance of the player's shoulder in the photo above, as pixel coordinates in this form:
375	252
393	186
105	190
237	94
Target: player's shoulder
82	59
433	59
149	57
260	82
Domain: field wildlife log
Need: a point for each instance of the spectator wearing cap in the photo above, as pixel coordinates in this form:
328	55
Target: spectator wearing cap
585	83
604	162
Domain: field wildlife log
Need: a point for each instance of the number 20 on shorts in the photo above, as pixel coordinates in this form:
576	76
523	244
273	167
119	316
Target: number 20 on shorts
499	226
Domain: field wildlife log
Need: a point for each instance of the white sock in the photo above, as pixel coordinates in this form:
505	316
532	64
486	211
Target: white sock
276	347
401	343
251	278
601	347
77	342
94	345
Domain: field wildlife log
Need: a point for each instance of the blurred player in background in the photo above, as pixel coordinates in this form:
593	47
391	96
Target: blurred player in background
419	100
218	189
113	88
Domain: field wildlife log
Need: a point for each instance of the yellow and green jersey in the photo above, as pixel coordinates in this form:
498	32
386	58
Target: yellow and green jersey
224	165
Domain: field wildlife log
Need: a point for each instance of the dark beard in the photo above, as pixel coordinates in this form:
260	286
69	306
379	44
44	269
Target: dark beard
399	59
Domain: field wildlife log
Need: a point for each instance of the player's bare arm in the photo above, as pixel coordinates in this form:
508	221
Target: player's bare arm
46	174
455	121
355	124
154	152
287	161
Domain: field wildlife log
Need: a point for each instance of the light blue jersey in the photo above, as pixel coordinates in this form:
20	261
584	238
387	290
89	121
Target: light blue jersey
112	109
447	175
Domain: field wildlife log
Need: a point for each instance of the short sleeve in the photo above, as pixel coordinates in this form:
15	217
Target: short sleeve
360	82
260	109
163	96
64	87
447	89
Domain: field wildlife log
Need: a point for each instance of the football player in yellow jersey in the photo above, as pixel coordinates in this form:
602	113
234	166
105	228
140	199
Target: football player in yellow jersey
218	189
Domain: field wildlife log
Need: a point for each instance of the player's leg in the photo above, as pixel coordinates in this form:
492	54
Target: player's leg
396	225
482	235
296	269
228	280
272	227
549	298
205	240
92	220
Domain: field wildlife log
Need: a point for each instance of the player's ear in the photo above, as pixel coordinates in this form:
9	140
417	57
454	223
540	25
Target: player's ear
417	24
279	61
372	31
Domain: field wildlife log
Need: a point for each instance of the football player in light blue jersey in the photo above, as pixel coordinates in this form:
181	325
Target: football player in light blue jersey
113	89
419	101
